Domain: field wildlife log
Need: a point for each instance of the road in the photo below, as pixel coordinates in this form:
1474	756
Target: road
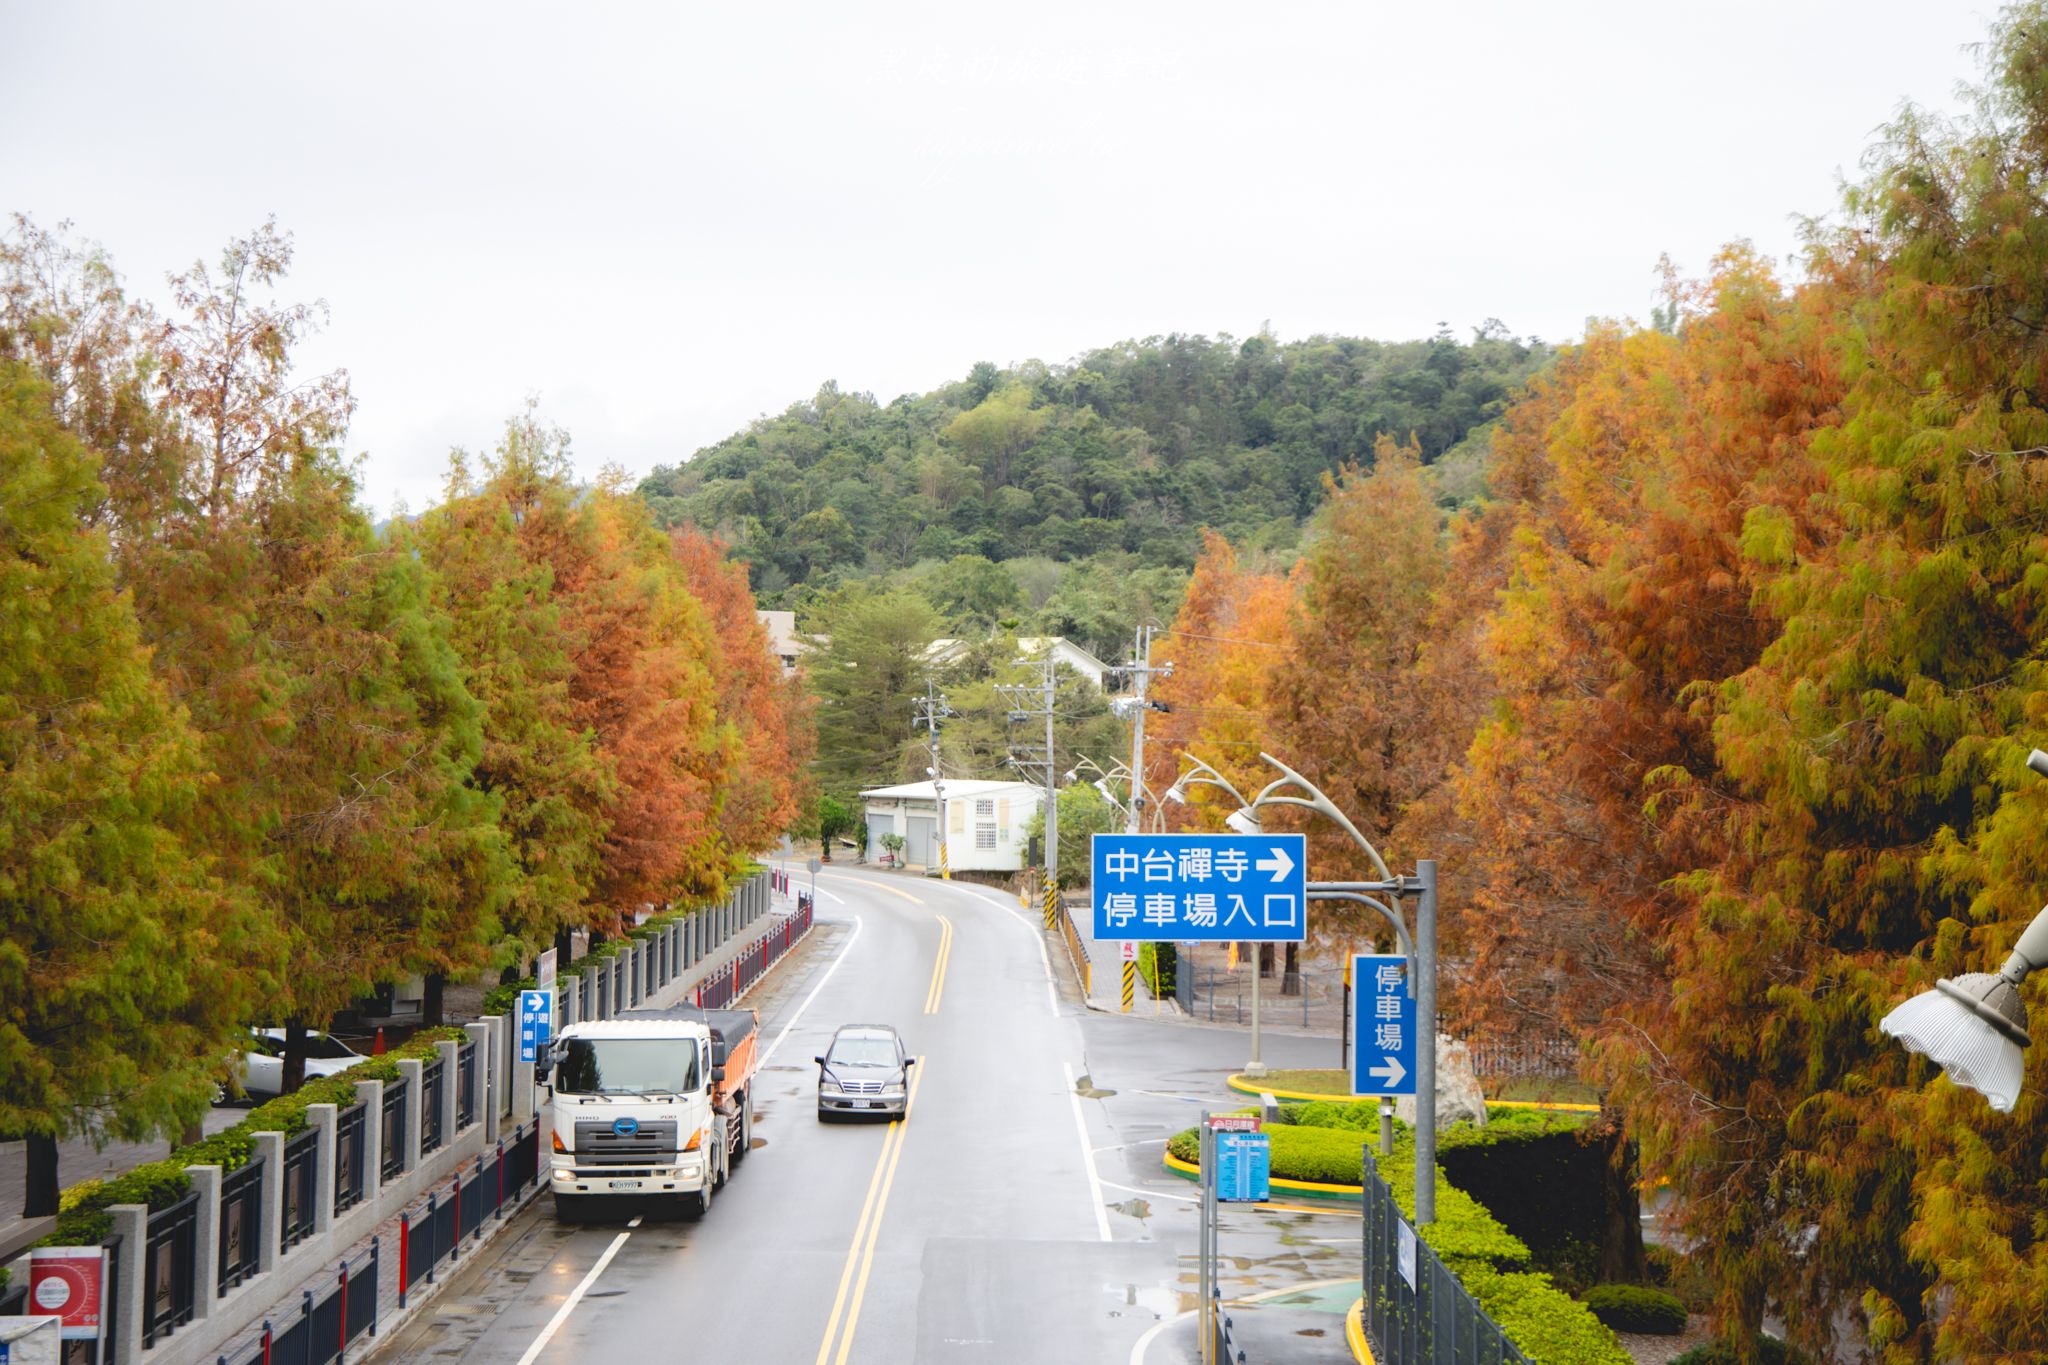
1021	1206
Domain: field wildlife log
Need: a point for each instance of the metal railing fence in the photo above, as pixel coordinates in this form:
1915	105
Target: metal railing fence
1416	1311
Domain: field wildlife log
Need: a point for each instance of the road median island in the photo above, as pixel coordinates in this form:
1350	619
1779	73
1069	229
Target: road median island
1302	1087
1318	1152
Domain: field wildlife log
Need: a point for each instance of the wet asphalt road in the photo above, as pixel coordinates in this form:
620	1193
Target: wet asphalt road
1021	1209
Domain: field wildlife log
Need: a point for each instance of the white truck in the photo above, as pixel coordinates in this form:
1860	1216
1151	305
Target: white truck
657	1103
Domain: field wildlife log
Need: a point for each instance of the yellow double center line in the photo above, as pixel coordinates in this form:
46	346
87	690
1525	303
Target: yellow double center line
867	1231
938	988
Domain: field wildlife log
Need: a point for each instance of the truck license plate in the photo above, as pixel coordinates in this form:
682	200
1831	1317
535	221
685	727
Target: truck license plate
625	1184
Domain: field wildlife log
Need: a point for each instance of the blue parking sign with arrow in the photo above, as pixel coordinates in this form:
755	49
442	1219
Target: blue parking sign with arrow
1383	1037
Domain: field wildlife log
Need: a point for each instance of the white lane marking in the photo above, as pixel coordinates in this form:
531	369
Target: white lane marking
1087	1156
1119	1146
561	1316
1052	998
1159	1194
769	1055
823	892
1138	1350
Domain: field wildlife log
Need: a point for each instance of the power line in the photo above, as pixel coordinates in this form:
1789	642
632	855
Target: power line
1226	639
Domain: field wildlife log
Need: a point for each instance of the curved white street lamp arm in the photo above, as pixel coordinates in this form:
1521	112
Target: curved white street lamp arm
1401	939
1205	775
1318	803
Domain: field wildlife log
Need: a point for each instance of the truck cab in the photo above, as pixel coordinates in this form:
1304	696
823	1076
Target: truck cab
653	1104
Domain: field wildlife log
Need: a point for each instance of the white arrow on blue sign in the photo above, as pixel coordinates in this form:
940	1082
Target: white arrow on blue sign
1383	1037
536	1023
1201	888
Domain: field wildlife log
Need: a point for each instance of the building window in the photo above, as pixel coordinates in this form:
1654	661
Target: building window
984	836
985	808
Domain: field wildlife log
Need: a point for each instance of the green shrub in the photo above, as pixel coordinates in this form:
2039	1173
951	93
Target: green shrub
1463	1231
82	1219
1637	1308
1769	1351
1549	1326
502	999
1679	1273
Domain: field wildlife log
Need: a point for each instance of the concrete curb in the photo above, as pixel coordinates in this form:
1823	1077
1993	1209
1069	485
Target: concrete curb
1354	1333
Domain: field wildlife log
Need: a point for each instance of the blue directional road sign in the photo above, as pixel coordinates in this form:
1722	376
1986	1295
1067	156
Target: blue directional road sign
1210	888
1244	1166
536	1023
1382	1026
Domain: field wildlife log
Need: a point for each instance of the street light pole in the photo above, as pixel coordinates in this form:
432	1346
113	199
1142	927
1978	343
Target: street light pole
1420	947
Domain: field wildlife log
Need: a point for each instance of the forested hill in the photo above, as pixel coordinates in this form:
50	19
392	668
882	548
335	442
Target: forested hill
1122	455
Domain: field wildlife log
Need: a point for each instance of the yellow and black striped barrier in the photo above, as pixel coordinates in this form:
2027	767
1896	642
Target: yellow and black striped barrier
1130	985
1052	903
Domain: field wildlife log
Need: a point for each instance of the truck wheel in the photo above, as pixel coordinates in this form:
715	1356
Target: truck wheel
699	1204
724	1154
571	1208
746	1121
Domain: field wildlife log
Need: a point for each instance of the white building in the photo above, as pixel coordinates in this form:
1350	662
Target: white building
1031	647
985	823
783	641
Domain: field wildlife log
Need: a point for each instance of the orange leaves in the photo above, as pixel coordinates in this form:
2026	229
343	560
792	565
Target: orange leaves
1223	646
768	714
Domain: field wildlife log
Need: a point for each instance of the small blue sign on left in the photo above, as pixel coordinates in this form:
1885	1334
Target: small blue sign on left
536	1023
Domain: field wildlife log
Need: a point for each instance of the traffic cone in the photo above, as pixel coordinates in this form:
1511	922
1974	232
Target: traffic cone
377	1048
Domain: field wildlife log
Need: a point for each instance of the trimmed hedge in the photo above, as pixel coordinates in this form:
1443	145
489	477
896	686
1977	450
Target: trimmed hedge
82	1219
1636	1308
502	998
1549	1325
1769	1351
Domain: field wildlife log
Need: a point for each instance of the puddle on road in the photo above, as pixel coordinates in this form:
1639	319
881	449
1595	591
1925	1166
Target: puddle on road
757	1144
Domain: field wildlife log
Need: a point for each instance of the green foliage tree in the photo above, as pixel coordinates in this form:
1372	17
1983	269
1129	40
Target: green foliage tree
1110	464
1084	811
551	786
869	658
125	964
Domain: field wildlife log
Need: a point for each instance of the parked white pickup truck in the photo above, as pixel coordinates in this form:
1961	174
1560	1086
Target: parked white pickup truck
657	1103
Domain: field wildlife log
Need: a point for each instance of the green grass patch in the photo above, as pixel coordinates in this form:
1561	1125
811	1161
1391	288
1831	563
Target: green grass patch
1311	1081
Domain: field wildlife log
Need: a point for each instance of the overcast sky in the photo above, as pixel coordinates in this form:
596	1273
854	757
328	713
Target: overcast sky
665	220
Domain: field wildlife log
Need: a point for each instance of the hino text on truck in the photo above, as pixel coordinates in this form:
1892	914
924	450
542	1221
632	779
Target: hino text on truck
655	1103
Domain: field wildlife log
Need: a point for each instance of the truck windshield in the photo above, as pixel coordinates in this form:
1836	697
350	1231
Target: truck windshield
626	1066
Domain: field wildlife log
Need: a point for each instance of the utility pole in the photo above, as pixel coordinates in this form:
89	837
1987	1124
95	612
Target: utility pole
1134	707
931	709
1029	703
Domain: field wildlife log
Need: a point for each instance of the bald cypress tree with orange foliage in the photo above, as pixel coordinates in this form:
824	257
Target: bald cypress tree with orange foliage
769	715
1224	645
642	656
1352	699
